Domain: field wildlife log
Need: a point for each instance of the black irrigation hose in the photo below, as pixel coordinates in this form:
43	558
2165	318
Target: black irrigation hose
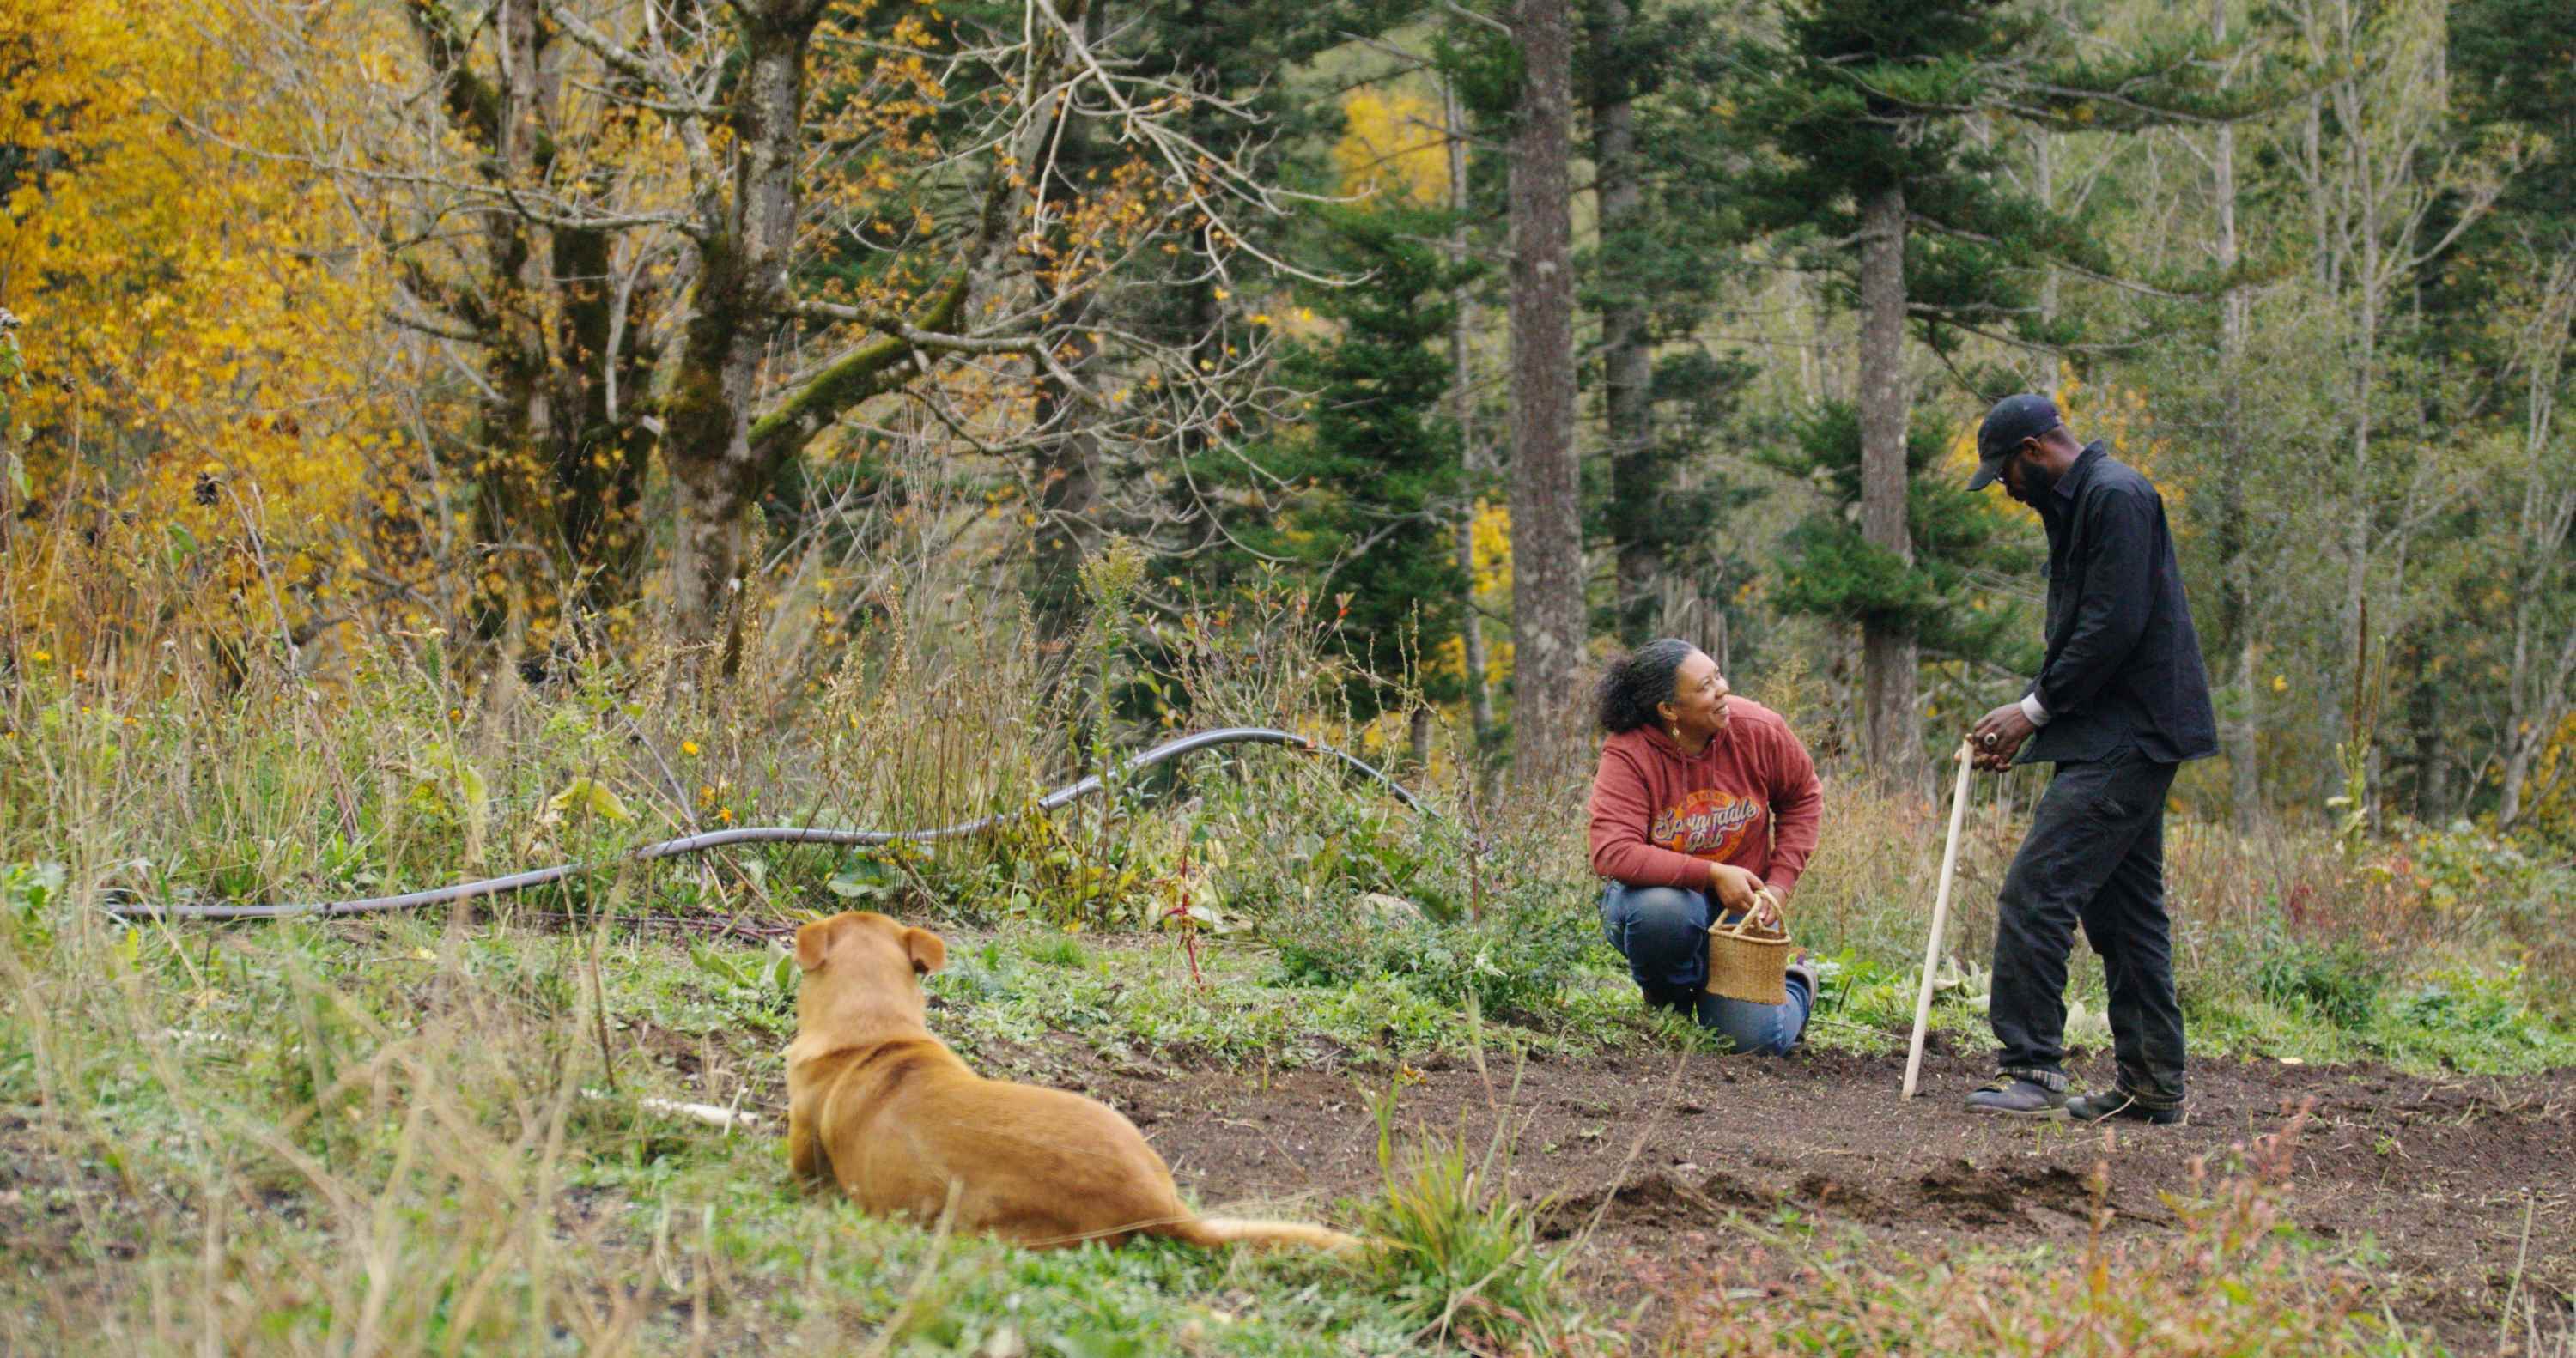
770	834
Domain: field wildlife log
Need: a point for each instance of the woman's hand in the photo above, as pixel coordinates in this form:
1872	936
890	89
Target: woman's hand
1734	888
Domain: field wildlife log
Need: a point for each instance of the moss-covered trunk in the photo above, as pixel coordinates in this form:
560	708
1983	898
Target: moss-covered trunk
742	300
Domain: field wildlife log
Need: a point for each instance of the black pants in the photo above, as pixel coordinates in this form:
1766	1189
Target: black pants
2095	854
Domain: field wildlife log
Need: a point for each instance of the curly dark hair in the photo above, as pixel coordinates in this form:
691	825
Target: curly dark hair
1635	682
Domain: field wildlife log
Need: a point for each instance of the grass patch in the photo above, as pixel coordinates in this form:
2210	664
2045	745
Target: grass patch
2340	984
392	1140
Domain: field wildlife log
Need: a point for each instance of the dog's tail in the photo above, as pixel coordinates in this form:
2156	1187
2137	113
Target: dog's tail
1215	1231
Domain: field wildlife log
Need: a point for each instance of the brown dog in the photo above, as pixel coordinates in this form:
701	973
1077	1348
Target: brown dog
877	1103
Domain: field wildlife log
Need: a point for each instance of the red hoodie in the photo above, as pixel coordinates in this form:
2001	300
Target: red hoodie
1660	817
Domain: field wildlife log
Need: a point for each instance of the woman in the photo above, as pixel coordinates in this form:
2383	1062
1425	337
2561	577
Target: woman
1701	797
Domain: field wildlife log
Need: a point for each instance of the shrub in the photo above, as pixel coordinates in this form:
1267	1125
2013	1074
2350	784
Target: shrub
28	896
2476	886
1343	839
2342	983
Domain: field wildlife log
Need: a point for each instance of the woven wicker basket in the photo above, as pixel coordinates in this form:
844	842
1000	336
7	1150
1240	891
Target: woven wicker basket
1749	963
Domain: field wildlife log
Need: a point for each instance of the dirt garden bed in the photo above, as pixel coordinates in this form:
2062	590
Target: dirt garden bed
1667	1153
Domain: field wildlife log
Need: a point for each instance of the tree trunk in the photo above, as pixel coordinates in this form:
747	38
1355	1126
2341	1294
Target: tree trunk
1547	541
600	452
2536	684
1462	405
742	300
505	120
1627	366
2358	535
2534	719
1887	645
2425	712
2517	775
2044	174
721	458
562	464
1064	467
2235	565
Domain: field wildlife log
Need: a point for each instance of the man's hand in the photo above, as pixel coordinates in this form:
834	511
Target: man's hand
1998	735
1733	887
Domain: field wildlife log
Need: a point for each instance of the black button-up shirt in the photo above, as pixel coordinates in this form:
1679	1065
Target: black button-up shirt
2123	667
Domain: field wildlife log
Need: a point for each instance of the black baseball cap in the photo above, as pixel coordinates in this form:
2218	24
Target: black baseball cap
2013	419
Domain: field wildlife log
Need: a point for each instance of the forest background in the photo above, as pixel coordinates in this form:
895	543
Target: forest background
1506	335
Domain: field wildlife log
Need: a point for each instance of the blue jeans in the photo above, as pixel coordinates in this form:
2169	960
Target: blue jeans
1663	932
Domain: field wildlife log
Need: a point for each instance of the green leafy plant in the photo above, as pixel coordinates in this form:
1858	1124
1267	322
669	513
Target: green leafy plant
2342	983
2474	1022
866	883
28	893
764	985
1513	963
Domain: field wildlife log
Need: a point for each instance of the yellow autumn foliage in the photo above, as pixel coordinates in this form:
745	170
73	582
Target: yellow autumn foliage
200	331
1392	147
2551	814
2120	416
1490	536
2116	415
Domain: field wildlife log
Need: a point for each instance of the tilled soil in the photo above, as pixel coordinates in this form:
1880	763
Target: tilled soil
1665	1151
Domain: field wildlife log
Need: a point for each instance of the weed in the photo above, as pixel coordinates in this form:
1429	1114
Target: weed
2342	982
2474	1022
1515	962
764	986
1058	950
28	896
1456	1250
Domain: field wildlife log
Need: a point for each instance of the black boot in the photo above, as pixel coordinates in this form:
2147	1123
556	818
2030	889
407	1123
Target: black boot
2123	1107
2014	1097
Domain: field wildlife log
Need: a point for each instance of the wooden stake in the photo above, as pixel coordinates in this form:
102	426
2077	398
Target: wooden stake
1940	919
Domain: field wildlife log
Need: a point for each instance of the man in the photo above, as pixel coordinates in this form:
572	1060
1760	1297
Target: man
2120	701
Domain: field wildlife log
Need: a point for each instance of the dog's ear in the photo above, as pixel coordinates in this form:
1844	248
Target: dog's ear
814	943
928	951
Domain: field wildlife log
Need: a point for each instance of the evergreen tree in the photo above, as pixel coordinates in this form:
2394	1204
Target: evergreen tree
2501	319
1359	493
1834	571
1671	238
1087	469
1878	183
1228	56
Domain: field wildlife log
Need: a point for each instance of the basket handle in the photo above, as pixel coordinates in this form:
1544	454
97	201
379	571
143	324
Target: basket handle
1748	931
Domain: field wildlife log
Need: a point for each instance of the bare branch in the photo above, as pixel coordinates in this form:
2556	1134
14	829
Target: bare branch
607	49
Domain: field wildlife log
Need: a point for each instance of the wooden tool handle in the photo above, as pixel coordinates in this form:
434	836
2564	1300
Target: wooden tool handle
1940	918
